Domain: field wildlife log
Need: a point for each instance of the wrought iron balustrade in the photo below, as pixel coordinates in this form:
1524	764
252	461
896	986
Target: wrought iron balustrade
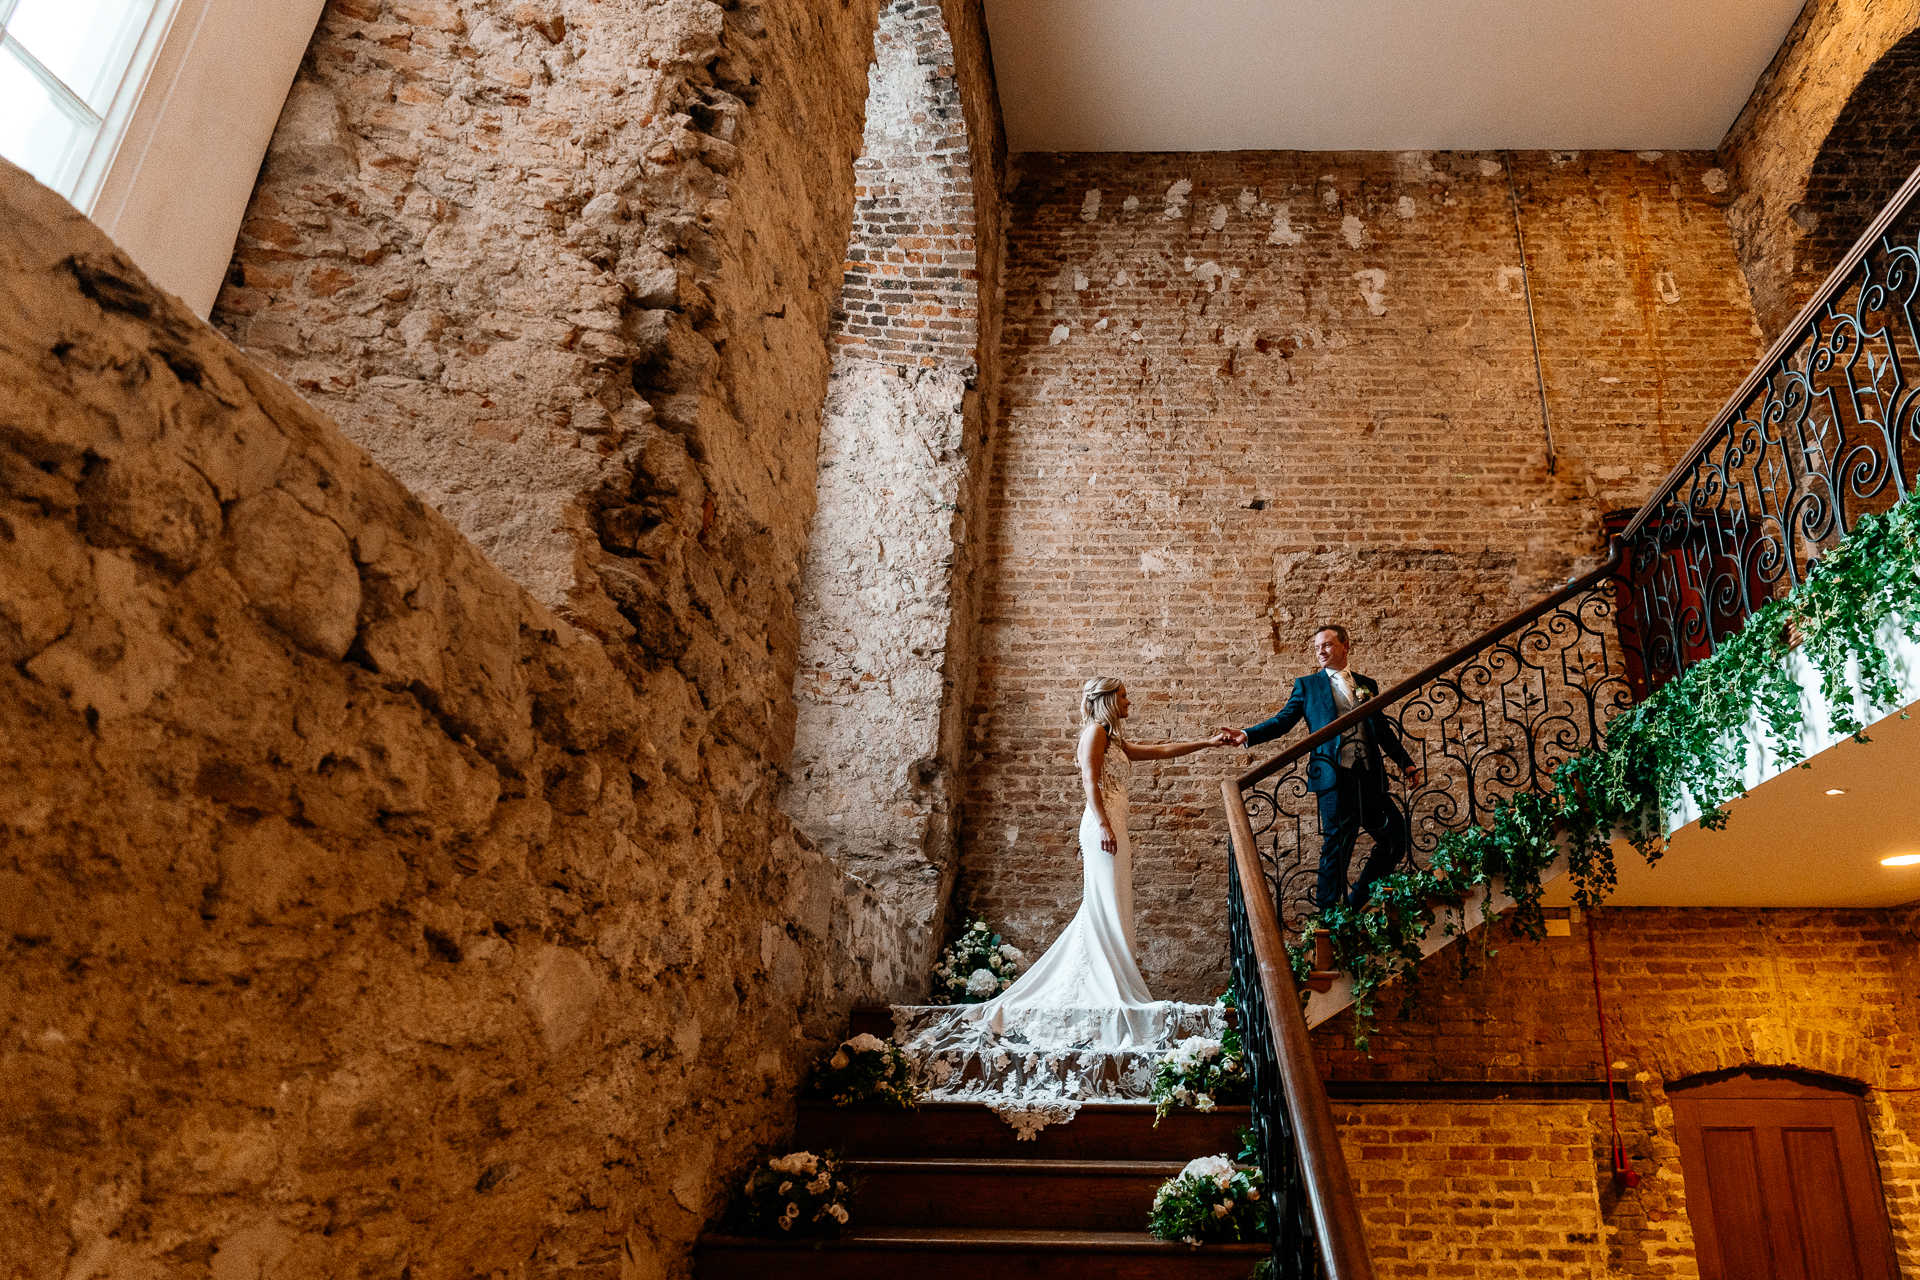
1825	430
1487	721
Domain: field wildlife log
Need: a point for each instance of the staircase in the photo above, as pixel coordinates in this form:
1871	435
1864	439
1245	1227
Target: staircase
949	1191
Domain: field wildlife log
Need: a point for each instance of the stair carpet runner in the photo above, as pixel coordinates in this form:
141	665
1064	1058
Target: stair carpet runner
1023	1159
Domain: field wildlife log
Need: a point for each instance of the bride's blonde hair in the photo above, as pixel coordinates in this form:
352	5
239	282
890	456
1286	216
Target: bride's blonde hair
1098	698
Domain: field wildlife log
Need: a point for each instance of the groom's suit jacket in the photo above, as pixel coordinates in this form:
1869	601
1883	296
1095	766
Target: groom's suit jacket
1313	700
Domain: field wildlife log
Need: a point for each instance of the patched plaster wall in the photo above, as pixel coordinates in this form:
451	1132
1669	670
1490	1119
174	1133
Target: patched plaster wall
887	602
1248	393
1771	151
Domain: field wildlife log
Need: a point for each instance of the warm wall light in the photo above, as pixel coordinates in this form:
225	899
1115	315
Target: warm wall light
1900	860
1836	791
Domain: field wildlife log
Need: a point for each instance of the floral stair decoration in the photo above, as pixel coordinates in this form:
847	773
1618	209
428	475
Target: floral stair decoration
798	1194
976	966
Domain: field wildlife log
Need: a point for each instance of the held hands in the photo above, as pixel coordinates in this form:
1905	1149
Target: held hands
1227	737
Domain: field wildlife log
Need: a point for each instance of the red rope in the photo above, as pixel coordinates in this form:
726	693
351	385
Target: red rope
1622	1169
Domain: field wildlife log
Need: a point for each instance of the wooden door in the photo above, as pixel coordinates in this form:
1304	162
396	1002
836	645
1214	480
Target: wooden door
1781	1181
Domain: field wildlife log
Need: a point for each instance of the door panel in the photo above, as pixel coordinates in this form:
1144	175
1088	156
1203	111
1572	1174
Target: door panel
1783	1185
1733	1171
1826	1234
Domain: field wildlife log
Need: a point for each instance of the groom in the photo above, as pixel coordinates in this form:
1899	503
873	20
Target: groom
1345	772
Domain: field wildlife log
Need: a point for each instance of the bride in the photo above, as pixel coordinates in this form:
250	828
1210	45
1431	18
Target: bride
1087	988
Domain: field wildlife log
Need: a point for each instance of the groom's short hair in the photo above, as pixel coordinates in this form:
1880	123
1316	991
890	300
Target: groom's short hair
1334	627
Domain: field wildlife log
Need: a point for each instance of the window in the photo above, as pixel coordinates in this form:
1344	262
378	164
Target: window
69	72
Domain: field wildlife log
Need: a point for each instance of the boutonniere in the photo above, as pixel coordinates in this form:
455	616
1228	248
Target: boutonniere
1360	692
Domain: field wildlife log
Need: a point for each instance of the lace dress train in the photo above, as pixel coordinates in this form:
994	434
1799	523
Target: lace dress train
1080	1022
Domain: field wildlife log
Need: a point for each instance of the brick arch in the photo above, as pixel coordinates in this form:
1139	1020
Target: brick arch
1686	1051
1873	146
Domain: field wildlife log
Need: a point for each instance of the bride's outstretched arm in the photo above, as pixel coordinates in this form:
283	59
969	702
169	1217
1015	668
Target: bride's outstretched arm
1169	750
1092	755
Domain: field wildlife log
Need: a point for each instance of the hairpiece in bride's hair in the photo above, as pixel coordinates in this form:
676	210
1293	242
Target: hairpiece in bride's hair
1098	698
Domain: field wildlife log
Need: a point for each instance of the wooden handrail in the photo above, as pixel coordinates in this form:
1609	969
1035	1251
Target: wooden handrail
1486	640
1323	1162
1789	337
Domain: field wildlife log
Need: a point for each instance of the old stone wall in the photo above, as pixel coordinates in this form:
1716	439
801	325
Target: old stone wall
887	605
566	269
1246	393
1687	990
362	916
1787	233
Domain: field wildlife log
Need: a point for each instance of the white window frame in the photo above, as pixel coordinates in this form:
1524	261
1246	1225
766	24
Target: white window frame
81	183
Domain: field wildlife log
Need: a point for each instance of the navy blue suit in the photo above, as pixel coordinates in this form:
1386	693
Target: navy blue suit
1350	799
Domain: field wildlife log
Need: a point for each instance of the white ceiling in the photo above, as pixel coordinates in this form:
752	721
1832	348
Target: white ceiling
1378	75
1790	844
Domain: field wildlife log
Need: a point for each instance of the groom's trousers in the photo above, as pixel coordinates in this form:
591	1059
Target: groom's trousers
1357	801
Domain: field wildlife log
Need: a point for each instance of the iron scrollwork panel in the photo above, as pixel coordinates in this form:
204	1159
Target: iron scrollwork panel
1496	725
1296	1253
1831	433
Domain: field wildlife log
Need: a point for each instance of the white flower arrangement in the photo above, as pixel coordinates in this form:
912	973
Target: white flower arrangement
1212	1199
976	967
798	1194
866	1069
1200	1073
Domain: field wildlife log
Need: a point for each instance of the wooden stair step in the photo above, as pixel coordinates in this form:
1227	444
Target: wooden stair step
1101	1131
968	1253
1089	1195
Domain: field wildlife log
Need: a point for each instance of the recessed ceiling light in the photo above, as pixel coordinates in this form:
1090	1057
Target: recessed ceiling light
1836	791
1900	860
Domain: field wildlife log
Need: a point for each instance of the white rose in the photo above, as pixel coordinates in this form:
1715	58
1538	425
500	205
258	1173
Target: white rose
1208	1167
793	1211
1010	952
1203	1103
980	926
982	983
795	1162
839	1060
865	1043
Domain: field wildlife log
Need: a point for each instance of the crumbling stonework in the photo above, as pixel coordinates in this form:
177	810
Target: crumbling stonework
361	915
1794	116
566	269
887	602
1248	393
1687	990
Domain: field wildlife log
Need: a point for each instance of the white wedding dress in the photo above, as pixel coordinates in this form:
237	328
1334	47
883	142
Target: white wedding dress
1079	1024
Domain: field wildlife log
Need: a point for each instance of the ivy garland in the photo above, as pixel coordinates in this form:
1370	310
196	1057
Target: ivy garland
1692	734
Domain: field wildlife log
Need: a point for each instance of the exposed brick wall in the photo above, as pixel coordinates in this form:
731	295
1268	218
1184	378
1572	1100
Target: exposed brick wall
1248	392
885	608
1792	117
1872	148
1687	990
910	292
1486	1190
